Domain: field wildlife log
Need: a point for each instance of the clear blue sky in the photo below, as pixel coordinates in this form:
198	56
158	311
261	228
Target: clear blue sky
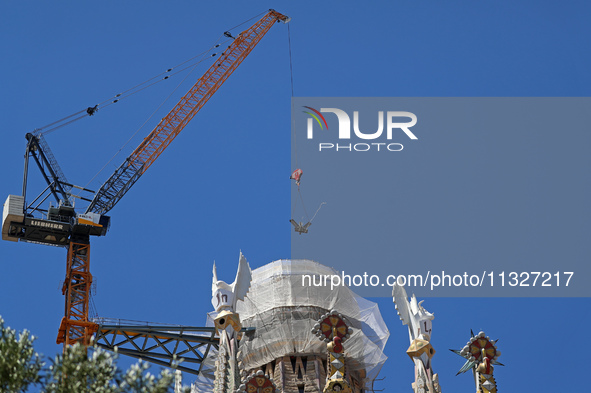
222	186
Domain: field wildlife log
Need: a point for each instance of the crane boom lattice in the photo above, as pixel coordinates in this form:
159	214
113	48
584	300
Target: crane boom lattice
62	226
171	125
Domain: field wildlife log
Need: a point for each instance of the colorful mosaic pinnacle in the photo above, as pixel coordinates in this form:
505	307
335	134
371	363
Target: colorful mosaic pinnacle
481	353
257	383
227	319
332	329
332	325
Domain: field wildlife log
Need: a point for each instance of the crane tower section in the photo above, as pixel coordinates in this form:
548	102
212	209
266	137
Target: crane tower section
60	225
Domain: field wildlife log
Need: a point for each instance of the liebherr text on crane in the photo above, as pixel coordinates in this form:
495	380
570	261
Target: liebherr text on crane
60	225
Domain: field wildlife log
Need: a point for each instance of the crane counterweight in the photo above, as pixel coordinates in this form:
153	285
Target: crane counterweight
60	225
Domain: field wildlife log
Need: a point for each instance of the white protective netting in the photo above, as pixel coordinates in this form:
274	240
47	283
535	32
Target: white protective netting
283	312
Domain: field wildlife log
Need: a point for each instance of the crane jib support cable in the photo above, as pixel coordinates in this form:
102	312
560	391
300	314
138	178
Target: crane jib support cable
171	125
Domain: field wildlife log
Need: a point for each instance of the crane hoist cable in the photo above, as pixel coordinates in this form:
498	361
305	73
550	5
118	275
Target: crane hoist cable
246	21
92	310
169	127
216	45
164	133
299	227
168	71
90	111
297	172
292	95
194	66
121	96
61	226
141	86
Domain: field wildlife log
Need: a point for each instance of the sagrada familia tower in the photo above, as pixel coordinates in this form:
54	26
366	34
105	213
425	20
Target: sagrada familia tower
278	335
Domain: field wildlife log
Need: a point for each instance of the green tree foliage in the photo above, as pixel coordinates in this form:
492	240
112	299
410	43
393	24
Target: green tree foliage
19	363
72	372
75	372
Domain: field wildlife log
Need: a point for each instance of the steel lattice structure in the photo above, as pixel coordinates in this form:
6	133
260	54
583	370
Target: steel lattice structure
61	225
75	326
162	345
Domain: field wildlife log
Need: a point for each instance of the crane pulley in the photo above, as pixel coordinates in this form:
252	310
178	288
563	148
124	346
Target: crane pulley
62	226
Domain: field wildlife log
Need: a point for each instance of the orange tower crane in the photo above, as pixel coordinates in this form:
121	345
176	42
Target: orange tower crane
61	226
